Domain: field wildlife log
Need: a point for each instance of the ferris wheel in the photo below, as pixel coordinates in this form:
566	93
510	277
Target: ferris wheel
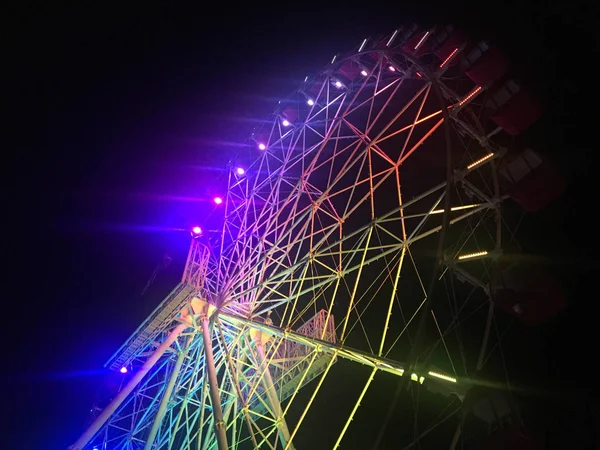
348	297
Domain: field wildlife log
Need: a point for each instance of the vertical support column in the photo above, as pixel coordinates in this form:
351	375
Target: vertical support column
284	432
213	383
127	389
162	408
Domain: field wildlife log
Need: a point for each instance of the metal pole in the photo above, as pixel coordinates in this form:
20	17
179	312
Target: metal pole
162	408
284	432
130	386
214	385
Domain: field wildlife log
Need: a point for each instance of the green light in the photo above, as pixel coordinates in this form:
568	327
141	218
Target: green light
441	376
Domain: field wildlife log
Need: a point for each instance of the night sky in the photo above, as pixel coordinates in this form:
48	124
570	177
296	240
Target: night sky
117	121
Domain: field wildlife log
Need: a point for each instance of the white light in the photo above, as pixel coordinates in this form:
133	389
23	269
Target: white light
262	146
456	208
392	69
240	171
310	102
364	73
285	123
338	84
441	376
362	45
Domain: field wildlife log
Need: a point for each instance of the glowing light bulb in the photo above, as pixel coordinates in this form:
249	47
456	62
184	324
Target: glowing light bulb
338	84
285	123
310	102
262	146
218	200
240	171
123	370
195	230
364	73
392	68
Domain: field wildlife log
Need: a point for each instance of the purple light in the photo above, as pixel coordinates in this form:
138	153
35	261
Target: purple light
338	84
392	69
123	370
240	171
218	200
310	102
364	73
197	230
262	146
285	123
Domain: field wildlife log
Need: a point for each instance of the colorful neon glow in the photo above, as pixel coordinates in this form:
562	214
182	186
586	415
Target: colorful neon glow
196	230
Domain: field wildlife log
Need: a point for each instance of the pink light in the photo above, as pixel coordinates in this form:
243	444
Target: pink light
262	146
310	102
364	73
197	230
218	200
240	171
285	123
338	84
123	370
392	69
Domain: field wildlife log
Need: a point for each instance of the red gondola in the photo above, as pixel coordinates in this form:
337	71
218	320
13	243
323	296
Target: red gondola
532	181
519	113
489	67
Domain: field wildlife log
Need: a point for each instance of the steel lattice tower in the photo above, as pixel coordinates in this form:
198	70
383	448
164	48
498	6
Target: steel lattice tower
324	257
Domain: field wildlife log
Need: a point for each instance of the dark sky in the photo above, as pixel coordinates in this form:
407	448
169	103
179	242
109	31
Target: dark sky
116	119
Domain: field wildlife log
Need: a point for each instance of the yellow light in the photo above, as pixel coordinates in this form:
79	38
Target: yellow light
441	376
479	161
421	380
456	208
414	377
473	255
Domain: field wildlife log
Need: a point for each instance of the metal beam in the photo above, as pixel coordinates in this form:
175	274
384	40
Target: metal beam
127	389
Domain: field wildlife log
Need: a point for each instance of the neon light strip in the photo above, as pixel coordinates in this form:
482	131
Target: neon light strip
441	376
473	255
455	208
468	97
391	39
422	40
479	161
362	45
448	58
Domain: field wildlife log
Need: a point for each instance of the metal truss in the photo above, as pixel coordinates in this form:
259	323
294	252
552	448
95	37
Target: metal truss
335	218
